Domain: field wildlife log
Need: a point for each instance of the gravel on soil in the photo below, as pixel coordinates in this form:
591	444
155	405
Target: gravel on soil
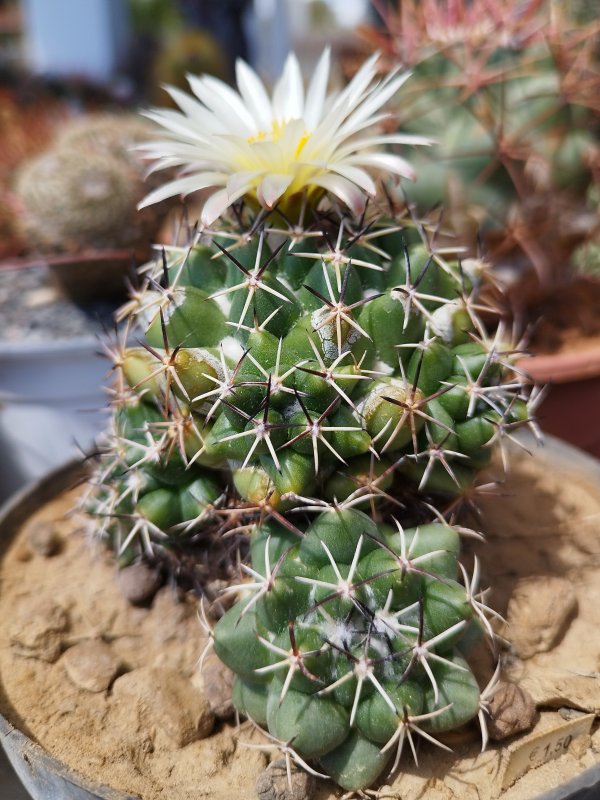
32	309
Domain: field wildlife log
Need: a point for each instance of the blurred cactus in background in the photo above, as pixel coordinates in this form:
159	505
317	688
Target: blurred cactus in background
26	128
311	393
511	92
83	191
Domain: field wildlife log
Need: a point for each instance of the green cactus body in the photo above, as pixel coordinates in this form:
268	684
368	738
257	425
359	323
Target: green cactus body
366	647
265	388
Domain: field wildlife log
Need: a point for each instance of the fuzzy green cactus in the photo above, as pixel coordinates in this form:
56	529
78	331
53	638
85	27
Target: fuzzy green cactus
287	359
83	191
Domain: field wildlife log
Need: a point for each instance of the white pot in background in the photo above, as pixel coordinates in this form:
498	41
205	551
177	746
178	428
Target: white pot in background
52	405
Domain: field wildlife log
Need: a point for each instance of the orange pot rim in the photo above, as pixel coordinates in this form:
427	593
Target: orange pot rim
565	367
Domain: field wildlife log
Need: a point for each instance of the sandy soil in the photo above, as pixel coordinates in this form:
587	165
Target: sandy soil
146	731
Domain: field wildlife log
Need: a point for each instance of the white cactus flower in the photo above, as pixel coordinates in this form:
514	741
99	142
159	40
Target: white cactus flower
246	143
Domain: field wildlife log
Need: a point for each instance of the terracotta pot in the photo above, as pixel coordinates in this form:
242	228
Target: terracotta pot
570	408
92	276
567	312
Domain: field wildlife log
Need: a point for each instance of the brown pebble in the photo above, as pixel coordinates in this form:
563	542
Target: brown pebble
175	706
274	784
216	681
91	665
23	552
37	629
511	710
580	745
43	539
138	583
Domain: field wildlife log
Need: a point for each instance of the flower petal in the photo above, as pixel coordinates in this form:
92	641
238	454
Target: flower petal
254	95
217	203
183	186
225	103
194	110
356	175
376	141
175	122
385	161
271	189
249	143
353	93
348	192
378	97
239	180
288	95
315	97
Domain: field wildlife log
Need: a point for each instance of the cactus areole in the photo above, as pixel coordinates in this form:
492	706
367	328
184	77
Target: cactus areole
313	386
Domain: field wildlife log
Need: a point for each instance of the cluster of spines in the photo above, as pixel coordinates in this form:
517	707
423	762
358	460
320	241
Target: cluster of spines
315	371
280	371
350	638
512	96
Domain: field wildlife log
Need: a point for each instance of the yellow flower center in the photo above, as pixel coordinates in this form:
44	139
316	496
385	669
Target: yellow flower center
275	135
303	140
260	137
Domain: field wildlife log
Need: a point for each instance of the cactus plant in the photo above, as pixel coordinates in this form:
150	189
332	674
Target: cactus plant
82	192
293	360
510	91
351	382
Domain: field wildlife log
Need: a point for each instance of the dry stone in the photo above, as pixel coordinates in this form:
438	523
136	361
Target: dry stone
173	704
91	665
216	681
38	628
43	539
511	710
138	583
538	611
274	783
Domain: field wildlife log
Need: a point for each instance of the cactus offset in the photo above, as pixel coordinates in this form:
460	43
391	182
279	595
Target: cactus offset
349	640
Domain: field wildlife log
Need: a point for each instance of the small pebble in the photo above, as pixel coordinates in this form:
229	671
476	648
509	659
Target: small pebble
512	710
138	583
28	315
173	704
216	680
43	539
40	297
274	784
91	665
38	628
571	713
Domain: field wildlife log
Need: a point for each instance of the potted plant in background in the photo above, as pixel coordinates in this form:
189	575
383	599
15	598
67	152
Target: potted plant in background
75	211
511	90
78	205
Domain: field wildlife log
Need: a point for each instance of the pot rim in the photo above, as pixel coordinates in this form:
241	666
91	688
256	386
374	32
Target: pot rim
80	256
14	350
577	365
